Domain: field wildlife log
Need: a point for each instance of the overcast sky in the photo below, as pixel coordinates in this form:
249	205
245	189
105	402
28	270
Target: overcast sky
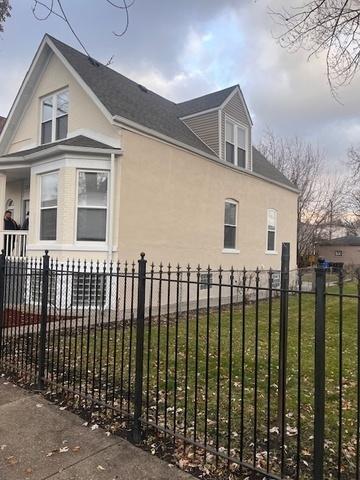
186	48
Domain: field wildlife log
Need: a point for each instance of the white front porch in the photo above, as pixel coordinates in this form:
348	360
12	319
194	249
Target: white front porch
15	197
14	243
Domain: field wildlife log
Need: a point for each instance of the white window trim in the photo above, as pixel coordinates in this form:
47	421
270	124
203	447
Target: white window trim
52	95
271	252
231	250
240	125
87	243
40	208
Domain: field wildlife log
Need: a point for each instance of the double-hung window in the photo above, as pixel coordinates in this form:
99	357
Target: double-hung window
271	230
235	139
54	117
48	206
230	225
92	206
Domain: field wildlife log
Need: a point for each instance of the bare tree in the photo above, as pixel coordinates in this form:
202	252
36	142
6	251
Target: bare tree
354	166
43	9
5	9
329	26
322	195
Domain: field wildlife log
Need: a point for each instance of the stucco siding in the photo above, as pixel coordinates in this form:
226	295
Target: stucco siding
83	113
172	207
206	126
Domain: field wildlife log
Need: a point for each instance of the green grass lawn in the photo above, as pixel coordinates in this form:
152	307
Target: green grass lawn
205	356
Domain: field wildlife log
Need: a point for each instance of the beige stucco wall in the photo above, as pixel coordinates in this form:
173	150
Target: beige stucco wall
172	207
83	113
350	256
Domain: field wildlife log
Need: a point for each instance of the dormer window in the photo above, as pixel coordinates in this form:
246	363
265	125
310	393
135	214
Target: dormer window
54	117
235	137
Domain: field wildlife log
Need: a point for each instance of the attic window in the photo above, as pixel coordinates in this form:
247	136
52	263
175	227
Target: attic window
235	141
54	117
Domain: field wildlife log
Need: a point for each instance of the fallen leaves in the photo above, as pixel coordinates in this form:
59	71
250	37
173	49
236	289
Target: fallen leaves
11	460
64	449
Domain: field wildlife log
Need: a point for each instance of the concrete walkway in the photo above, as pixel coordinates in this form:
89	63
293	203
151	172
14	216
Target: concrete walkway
39	441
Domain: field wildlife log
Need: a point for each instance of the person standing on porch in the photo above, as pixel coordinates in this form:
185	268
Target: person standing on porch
9	224
25	225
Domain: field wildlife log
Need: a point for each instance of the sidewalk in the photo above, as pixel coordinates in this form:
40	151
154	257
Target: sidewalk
39	441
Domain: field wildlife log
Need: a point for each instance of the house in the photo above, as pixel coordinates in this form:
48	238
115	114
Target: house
344	250
108	169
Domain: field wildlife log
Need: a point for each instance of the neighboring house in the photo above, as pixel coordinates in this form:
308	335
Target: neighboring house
340	250
108	169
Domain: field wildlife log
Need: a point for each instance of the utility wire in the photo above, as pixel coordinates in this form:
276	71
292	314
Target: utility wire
63	16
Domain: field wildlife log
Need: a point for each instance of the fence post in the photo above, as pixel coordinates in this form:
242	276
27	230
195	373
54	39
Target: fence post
283	338
43	320
319	394
136	432
2	296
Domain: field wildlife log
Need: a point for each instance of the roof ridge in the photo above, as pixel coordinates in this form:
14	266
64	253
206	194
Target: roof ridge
135	82
230	88
209	94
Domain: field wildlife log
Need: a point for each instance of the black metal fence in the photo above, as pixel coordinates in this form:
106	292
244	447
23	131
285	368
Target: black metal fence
256	373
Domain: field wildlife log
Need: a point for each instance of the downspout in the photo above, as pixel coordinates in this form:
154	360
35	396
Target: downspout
112	208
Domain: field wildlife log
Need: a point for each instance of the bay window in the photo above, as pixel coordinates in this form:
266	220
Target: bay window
271	230
54	117
92	206
48	206
235	141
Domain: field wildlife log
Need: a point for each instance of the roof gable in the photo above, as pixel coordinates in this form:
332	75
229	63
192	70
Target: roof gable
205	102
37	66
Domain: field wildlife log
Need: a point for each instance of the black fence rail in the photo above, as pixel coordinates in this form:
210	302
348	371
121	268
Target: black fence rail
256	372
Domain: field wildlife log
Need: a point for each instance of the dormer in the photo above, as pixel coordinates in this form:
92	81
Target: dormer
222	121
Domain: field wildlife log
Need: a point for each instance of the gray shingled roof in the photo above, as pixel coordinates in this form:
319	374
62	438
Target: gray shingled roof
126	98
263	167
206	102
351	240
78	141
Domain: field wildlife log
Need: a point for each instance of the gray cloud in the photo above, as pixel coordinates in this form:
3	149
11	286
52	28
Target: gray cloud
184	49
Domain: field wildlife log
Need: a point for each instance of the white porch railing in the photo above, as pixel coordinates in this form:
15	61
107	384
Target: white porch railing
13	242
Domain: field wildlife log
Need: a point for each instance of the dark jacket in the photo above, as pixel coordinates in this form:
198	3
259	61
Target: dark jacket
25	225
10	224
